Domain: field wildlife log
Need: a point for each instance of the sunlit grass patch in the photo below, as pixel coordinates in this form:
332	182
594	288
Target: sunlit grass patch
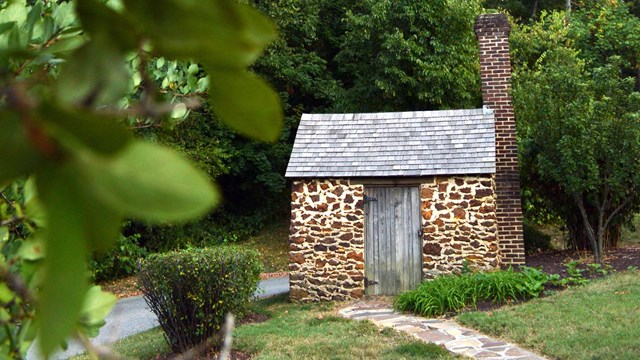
596	321
299	331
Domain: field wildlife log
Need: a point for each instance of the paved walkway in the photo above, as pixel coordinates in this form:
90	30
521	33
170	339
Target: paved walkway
450	334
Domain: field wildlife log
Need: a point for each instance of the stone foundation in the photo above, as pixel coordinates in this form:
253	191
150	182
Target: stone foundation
326	240
459	225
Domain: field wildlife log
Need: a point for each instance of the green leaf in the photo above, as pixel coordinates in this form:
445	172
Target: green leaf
5	317
97	305
33	16
6	294
100	134
179	111
193	68
246	104
15	11
48	26
64	14
33	207
219	32
4	27
102	223
65	45
99	19
151	182
17	155
95	74
65	282
4	233
15	39
32	249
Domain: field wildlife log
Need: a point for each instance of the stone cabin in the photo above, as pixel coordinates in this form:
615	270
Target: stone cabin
381	201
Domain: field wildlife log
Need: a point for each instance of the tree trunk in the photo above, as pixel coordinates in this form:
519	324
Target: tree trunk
600	236
567	6
535	10
595	240
612	236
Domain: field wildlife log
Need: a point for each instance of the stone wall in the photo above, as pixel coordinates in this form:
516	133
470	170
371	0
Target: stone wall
459	224
326	240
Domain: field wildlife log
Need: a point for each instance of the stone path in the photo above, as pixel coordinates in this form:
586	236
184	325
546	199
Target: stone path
450	334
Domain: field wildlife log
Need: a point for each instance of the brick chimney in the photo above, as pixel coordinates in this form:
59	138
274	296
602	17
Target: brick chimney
492	31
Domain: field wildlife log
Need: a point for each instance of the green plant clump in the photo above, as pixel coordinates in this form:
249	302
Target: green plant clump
120	261
191	291
452	293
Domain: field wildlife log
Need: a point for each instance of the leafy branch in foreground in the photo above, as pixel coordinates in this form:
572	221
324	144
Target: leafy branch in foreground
63	75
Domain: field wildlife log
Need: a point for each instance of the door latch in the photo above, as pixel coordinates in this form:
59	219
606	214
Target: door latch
368	282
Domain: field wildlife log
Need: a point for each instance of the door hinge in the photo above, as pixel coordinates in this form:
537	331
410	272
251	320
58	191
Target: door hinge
368	282
369	199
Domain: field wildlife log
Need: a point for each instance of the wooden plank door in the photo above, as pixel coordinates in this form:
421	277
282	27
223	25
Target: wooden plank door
393	256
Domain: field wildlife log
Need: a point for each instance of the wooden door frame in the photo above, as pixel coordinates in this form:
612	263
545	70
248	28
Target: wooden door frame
415	189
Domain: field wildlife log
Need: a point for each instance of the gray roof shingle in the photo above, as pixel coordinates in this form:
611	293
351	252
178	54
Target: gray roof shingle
417	143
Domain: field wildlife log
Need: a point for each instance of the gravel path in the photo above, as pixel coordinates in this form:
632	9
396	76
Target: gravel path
132	315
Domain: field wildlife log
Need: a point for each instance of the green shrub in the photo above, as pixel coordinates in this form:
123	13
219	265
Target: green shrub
191	291
215	229
452	293
120	261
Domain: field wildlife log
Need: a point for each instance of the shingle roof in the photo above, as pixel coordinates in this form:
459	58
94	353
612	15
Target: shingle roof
416	143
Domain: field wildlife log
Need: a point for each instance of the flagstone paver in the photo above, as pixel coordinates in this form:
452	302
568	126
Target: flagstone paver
447	333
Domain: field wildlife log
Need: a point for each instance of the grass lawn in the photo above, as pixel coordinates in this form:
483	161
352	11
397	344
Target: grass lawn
273	245
598	321
629	237
307	331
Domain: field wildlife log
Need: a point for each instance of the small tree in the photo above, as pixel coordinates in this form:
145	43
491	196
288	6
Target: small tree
580	140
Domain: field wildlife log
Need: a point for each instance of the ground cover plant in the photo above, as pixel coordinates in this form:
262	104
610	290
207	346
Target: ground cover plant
596	321
192	291
295	331
452	293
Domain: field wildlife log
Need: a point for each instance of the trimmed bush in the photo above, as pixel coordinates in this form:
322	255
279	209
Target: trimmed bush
452	293
191	291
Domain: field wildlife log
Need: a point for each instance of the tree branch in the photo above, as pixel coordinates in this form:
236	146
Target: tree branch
616	211
5	198
150	109
12	221
535	10
15	283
